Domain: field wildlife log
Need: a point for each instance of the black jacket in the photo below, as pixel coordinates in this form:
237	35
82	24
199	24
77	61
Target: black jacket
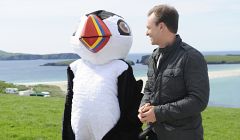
179	90
128	126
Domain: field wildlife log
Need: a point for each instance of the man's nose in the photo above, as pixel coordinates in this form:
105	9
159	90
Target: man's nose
147	33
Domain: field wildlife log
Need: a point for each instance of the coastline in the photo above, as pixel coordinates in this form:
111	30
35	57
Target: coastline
223	73
212	75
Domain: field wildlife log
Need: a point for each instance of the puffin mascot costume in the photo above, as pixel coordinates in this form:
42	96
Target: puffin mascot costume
103	96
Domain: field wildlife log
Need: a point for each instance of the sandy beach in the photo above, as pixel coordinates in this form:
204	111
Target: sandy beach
212	75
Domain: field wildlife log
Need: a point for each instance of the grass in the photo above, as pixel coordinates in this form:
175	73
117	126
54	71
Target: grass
30	118
222	58
221	123
38	118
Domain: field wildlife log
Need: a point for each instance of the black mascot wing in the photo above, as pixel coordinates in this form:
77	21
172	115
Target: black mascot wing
67	132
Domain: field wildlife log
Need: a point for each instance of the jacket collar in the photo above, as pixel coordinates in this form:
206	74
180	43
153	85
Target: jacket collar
171	47
167	49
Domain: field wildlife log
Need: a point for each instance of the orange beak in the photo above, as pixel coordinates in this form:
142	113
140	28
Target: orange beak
95	34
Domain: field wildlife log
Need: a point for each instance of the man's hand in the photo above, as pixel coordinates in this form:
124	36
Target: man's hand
146	113
142	108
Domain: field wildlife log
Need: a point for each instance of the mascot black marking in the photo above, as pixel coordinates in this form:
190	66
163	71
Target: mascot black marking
103	96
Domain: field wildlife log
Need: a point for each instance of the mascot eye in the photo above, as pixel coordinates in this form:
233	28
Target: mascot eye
123	28
74	33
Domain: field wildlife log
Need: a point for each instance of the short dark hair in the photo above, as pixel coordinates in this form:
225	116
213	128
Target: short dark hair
166	14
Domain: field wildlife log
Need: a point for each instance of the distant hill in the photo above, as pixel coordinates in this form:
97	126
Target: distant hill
210	59
66	63
21	56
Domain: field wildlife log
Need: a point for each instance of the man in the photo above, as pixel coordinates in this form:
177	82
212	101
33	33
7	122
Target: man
177	89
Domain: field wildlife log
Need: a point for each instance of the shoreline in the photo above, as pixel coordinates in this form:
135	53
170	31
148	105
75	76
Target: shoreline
212	75
223	73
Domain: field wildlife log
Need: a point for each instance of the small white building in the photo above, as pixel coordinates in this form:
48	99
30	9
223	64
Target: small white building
11	90
45	94
25	92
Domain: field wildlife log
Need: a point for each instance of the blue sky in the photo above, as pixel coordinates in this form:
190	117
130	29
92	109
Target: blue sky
45	26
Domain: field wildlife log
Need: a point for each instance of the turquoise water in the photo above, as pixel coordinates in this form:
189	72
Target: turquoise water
220	67
224	91
22	71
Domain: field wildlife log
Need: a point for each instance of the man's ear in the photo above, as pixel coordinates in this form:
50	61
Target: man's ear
161	26
164	27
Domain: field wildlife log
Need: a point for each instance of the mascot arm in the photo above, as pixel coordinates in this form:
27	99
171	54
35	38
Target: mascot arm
129	96
67	132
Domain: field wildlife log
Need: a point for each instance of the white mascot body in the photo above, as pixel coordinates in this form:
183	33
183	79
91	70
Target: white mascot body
101	40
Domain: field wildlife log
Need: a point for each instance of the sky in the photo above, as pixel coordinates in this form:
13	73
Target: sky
45	26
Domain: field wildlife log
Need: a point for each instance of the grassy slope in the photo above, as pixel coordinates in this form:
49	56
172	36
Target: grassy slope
7	54
30	118
2	53
55	91
220	58
38	118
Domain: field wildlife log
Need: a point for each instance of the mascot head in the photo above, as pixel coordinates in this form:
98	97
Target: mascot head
102	36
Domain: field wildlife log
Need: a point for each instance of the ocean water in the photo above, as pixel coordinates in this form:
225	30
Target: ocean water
220	67
224	91
24	71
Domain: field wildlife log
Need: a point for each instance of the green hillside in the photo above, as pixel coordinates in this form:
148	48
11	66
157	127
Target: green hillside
222	58
21	56
54	91
211	59
6	54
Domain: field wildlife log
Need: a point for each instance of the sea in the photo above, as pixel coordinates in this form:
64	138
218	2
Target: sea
224	92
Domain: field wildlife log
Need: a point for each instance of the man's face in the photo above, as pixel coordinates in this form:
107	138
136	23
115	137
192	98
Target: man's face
154	31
